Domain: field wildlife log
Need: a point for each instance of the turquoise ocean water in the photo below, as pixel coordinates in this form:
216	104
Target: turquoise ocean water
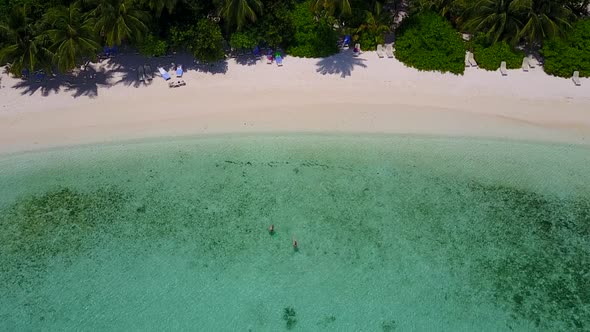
395	233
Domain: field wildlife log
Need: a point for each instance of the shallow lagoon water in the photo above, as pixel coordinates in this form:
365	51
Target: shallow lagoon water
395	233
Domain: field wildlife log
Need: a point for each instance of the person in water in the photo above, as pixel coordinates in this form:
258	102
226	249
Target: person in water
271	229
295	246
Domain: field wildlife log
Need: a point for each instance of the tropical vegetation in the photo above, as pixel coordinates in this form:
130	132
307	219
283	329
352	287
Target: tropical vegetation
59	35
427	41
313	36
491	55
563	55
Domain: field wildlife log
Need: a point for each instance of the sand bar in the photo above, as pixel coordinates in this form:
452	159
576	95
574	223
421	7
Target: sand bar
340	94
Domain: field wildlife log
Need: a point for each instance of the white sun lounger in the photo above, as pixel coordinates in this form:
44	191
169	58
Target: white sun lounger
380	50
532	61
503	69
357	49
141	73
471	60
389	50
576	78
164	73
525	64
176	84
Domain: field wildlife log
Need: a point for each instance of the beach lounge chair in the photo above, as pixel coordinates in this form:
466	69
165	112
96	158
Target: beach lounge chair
149	73
164	73
279	60
380	50
346	42
532	61
389	50
576	78
357	49
503	69
39	76
176	83
141	73
179	71
525	64
25	74
471	59
110	52
269	57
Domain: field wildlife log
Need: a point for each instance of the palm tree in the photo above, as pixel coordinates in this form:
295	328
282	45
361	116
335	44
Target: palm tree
72	35
443	7
26	49
342	7
545	19
158	5
498	19
118	20
377	23
238	12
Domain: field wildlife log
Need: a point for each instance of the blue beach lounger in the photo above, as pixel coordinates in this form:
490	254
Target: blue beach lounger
345	42
164	73
110	51
279	60
179	71
39	76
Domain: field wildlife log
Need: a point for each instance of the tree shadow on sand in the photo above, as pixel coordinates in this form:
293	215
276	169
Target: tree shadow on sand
87	82
82	83
219	67
46	87
340	64
247	60
123	70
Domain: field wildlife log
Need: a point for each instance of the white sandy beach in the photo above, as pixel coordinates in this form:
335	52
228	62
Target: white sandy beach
333	95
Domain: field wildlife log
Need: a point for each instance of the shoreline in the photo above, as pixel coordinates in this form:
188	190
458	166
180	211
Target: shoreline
296	98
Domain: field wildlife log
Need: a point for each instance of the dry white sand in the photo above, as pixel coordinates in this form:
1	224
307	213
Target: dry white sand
337	94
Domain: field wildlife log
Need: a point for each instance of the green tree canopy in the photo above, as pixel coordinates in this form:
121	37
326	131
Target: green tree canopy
236	13
119	20
25	47
208	45
545	19
564	55
313	37
332	7
157	6
489	56
72	35
372	30
517	20
427	41
497	19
